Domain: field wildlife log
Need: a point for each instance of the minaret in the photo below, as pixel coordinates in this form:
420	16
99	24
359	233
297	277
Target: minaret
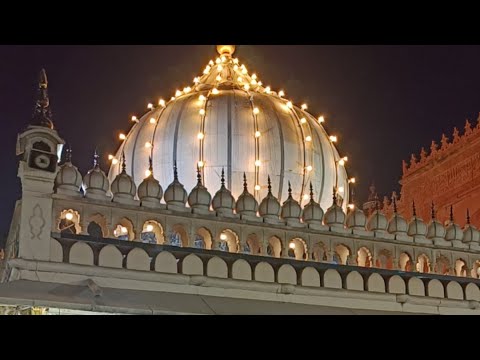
39	148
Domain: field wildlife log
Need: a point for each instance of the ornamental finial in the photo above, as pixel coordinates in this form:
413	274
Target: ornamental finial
42	114
226	49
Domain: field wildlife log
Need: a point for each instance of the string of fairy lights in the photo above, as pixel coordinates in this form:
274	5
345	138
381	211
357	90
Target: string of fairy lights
226	69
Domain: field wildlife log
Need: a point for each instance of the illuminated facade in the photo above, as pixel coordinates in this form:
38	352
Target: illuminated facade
225	199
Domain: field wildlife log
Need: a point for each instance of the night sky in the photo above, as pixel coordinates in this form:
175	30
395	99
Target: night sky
383	102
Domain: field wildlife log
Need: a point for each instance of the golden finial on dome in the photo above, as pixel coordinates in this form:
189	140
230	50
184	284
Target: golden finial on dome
226	49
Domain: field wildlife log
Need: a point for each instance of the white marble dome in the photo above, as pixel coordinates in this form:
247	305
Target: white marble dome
123	186
471	234
223	200
269	207
290	208
397	224
68	180
377	221
95	182
334	216
199	197
356	219
436	230
150	191
175	194
416	227
218	123
246	203
453	232
312	212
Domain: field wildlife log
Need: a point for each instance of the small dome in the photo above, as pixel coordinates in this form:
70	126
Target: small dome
291	209
397	224
246	203
453	232
175	193
377	221
334	215
123	185
68	179
436	230
416	227
269	207
199	197
223	199
95	182
470	234
312	212
356	219
150	189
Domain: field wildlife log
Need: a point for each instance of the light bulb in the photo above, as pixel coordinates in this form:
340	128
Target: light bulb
308	138
258	163
257	187
196	80
218	78
257	134
341	162
200	164
260	83
134	119
150	106
256	111
341	189
223	58
202	112
235	67
215	91
69	216
148	144
149	228
268	90
200	136
345	158
253	82
352	180
281	93
152	121
351	206
207	70
289	105
110	157
309	168
148	173
254	76
187	89
124	230
235	61
304	107
219	68
240	79
303	120
246	87
178	93
211	63
223	237
321	119
244	71
292	246
333	138
122	136
202	98
114	161
306	197
218	60
172	98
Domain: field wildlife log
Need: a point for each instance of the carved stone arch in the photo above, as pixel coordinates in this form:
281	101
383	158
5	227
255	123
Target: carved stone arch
319	252
341	254
384	259
442	265
423	264
124	229
69	222
97	225
152	232
203	238
364	257
274	247
297	248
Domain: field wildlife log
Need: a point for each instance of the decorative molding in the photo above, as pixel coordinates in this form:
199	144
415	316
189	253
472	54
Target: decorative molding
37	222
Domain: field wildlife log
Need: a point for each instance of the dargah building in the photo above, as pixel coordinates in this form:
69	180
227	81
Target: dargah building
227	198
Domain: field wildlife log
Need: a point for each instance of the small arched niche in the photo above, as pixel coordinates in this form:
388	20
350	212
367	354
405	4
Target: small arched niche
253	245
69	222
228	241
423	264
461	268
319	252
364	257
152	232
97	226
203	239
341	254
123	230
405	262
178	236
297	249
442	265
274	247
475	272
384	259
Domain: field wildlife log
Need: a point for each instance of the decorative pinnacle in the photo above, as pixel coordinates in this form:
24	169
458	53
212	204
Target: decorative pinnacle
334	196
68	154
311	191
245	186
376	202
124	164
451	213
414	209
394	200
269	185
199	176
150	165
42	114
95	159
222	178
468	216
175	172
289	190
433	211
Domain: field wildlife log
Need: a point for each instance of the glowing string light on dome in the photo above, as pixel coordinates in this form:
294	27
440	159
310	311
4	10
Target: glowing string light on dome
201	164
178	93
218	61
258	134
134	119
202	112
258	187
215	91
308	138
148	145
321	119
219	68
303	120
268	90
304	107
172	98
152	121
202	98
150	106
110	157
235	67
333	138
289	105
69	216
162	103
187	89
309	168
122	136
281	93
114	161
240	79
148	173
218	78
246	87
196	80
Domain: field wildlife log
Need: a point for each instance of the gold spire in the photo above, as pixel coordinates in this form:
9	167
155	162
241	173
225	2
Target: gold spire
226	49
